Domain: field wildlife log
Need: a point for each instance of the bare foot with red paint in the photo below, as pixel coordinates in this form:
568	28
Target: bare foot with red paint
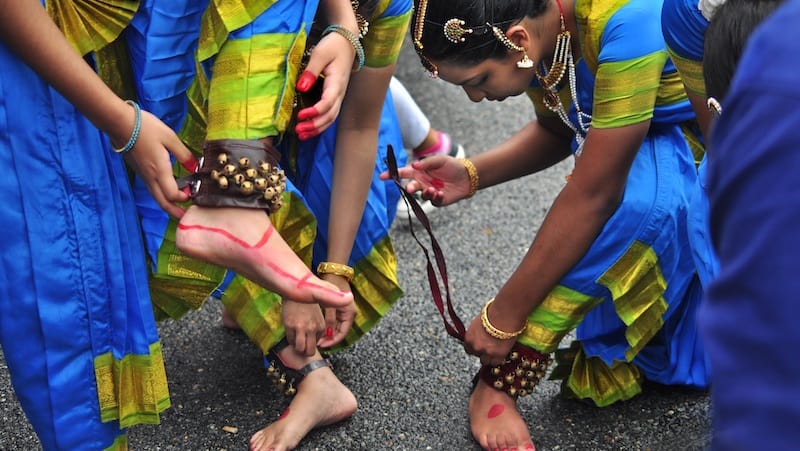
495	421
245	241
321	399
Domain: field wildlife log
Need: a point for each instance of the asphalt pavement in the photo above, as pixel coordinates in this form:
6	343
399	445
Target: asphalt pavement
412	380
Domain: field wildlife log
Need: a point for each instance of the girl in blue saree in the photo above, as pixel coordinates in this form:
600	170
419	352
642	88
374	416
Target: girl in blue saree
611	258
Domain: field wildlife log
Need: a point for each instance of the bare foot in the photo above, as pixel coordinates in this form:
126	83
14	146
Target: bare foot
495	421
228	321
321	399
245	241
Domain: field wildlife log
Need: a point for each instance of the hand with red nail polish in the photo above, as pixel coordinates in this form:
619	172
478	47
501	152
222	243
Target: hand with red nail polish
337	320
332	58
304	326
150	158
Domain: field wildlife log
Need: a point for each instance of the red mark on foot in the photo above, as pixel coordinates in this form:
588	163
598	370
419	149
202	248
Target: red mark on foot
284	414
301	283
495	410
438	184
264	239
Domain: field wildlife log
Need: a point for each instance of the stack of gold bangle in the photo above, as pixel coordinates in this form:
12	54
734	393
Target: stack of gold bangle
336	269
493	331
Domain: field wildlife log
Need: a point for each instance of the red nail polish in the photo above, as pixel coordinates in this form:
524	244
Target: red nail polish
306	81
307	113
329	332
190	165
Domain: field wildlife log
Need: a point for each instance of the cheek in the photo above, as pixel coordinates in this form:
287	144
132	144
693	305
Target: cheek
474	94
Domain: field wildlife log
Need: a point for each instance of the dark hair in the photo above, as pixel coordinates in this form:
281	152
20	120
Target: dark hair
725	39
478	46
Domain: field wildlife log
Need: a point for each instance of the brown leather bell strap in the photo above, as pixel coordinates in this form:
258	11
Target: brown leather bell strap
289	378
239	173
453	324
519	374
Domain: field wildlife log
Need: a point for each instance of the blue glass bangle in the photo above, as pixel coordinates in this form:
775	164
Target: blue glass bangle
354	41
137	125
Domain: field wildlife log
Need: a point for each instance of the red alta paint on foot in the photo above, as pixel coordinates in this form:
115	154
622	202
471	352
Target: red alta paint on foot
496	410
301	283
230	236
284	414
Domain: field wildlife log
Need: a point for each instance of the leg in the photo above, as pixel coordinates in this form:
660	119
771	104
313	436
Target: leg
493	416
237	181
320	399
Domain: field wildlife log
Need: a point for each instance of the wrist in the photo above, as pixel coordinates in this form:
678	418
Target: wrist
472	173
125	129
497	328
337	269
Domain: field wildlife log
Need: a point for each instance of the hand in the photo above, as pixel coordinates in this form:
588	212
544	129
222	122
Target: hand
304	326
490	350
441	179
337	320
333	58
150	159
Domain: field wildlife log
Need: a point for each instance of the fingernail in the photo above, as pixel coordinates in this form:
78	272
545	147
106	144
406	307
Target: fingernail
306	81
190	165
305	127
307	113
329	332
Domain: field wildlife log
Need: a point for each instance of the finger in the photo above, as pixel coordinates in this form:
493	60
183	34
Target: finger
311	345
300	342
158	195
181	153
290	336
306	80
344	328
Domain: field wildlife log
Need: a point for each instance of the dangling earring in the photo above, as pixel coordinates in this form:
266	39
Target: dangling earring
525	62
714	106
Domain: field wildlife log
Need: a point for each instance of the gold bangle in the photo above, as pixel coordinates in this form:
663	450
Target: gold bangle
493	331
473	176
336	269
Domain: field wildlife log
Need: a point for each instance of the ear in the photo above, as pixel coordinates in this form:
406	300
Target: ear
519	35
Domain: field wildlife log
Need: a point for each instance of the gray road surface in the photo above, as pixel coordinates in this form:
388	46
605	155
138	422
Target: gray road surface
412	380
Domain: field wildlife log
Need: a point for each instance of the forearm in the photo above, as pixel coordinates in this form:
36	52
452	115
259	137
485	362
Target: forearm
356	153
26	29
530	150
574	221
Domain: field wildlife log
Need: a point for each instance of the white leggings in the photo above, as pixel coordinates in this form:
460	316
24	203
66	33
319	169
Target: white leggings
414	125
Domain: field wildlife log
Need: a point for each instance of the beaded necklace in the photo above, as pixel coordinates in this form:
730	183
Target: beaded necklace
563	62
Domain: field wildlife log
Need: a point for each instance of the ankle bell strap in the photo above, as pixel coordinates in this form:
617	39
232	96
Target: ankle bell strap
239	173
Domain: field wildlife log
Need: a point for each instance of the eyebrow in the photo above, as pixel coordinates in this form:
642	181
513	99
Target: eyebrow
467	81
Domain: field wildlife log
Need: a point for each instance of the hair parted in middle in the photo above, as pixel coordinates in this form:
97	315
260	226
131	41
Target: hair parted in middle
476	19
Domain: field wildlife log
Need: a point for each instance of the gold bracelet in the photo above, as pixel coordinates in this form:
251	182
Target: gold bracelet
473	176
336	269
493	331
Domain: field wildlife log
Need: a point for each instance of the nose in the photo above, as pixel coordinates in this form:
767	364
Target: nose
474	94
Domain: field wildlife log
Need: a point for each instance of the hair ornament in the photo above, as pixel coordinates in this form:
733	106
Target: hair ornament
454	30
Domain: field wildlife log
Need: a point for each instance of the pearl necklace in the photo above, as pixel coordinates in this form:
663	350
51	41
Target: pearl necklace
563	59
553	103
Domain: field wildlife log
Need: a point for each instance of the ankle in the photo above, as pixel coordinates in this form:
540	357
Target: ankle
440	144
